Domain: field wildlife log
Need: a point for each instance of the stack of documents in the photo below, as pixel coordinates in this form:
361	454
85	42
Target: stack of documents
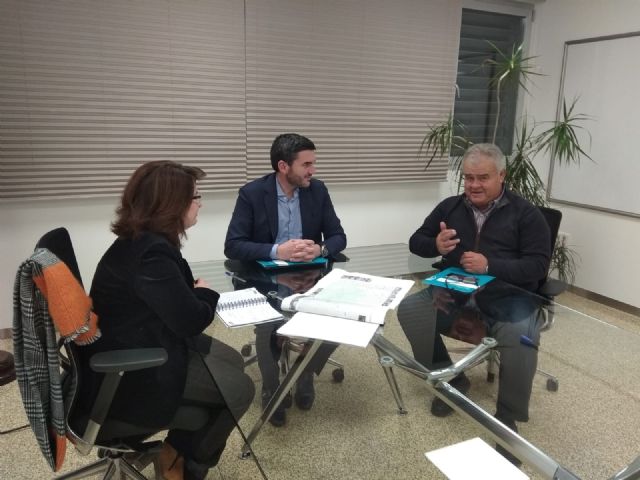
343	307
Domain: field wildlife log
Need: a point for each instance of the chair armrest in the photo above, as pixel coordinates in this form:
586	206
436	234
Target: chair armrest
552	288
113	364
339	258
128	360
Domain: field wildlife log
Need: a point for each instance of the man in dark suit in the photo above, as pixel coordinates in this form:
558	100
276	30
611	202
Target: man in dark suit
285	215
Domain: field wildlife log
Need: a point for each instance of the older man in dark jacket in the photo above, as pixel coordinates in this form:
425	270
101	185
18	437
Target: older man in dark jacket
486	230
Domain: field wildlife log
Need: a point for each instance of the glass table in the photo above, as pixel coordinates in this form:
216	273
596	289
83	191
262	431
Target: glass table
365	427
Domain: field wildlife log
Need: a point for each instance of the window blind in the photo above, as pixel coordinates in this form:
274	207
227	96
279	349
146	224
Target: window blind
89	90
362	78
476	105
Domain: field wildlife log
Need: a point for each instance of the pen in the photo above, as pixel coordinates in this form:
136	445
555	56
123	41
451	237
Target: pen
234	275
524	340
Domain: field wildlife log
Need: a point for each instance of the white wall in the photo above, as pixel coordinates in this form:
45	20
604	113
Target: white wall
370	215
606	242
386	213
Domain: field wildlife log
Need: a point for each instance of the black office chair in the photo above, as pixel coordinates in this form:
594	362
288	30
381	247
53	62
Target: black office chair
549	288
122	448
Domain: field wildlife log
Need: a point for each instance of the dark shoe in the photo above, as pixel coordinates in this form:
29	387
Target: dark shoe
441	409
279	416
195	471
503	451
305	393
7	368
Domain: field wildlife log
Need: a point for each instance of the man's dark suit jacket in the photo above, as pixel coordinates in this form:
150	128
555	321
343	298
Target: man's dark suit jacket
254	223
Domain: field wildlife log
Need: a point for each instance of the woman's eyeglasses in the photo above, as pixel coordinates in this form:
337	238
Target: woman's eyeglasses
197	198
465	280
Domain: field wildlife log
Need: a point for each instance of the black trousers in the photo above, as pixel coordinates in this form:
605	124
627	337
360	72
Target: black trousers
216	381
507	318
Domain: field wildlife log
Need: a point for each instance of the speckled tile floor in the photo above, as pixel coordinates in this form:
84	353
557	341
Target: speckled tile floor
591	425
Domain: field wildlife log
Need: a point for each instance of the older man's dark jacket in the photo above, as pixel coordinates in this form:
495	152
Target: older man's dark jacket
515	238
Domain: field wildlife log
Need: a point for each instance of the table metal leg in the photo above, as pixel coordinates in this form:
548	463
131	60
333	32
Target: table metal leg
436	383
387	362
285	386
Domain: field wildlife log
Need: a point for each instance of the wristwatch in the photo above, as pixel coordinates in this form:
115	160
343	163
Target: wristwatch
324	251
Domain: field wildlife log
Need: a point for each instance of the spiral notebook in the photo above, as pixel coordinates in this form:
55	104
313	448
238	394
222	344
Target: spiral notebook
245	307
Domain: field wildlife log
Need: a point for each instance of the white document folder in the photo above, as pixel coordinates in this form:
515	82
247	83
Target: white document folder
474	460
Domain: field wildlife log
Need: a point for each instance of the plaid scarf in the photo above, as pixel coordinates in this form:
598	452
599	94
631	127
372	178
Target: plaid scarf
46	298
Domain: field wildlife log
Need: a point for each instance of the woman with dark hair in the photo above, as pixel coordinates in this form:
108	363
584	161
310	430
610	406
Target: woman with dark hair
145	295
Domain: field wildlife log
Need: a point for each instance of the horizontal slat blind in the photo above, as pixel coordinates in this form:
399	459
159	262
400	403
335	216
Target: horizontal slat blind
476	106
89	90
362	78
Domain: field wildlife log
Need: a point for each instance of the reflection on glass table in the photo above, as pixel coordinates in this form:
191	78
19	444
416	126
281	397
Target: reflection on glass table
353	429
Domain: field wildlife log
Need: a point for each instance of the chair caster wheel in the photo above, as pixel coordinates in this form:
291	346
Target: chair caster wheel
491	377
552	384
245	351
338	375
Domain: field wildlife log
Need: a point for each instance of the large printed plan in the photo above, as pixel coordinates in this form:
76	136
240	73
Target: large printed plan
344	307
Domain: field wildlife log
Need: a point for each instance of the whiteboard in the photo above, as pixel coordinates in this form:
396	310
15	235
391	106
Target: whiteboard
604	74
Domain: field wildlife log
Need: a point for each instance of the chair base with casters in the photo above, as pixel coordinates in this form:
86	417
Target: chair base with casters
119	465
289	346
121	446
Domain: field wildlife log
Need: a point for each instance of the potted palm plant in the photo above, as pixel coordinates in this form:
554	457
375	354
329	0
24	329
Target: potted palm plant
558	138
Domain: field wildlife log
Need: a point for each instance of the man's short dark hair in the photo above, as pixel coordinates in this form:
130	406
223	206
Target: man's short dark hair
286	147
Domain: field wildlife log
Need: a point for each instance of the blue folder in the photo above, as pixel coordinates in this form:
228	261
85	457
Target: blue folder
274	264
455	278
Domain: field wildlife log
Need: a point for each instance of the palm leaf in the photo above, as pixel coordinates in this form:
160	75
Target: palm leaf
440	140
564	260
522	176
561	139
510	68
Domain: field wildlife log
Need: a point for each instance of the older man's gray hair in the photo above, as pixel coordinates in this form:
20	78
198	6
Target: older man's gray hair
487	150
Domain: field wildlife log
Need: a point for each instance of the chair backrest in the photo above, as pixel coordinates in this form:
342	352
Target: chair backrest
58	242
553	218
550	287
